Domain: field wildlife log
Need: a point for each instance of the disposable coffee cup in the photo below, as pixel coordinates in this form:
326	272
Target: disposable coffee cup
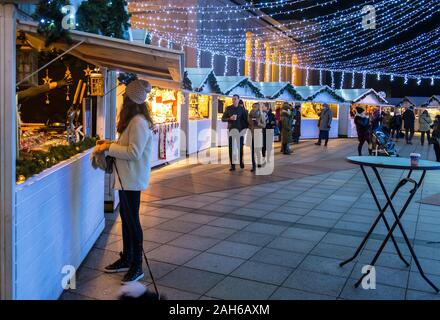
415	158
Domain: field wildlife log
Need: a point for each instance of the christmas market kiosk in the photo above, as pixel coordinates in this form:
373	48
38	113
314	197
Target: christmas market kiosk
200	91
314	98
368	99
52	200
229	86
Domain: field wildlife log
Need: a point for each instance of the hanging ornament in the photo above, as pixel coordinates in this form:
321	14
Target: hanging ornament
320	77
68	76
405	79
88	73
432	81
47	80
96	87
419	81
353	80
333	79
226	66
392	78
307	76
238	67
364	80
342	80
378	76
199	58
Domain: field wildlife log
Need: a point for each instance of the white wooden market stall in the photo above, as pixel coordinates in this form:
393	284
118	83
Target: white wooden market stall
201	101
314	98
53	219
369	99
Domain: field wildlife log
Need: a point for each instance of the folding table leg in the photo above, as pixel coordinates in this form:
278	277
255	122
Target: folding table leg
380	216
398	223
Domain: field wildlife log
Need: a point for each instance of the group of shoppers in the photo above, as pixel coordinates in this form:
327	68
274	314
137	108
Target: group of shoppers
290	126
259	120
392	125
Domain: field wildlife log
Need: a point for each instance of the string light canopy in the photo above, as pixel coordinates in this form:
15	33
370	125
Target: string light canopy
336	42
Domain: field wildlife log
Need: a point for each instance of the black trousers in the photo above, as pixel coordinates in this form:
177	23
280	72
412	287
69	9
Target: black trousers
268	137
132	236
362	141
395	132
437	151
428	134
240	142
323	134
409	134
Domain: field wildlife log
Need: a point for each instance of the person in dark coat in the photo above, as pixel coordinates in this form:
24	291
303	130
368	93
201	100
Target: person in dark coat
396	124
297	126
271	123
436	137
237	118
286	131
409	119
376	120
324	124
363	127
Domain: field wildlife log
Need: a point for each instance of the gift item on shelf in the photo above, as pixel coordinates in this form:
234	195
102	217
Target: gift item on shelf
199	106
312	110
163	105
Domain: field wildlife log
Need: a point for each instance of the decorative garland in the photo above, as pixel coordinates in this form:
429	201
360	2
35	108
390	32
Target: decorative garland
36	162
187	84
49	17
212	80
331	92
104	17
254	89
289	89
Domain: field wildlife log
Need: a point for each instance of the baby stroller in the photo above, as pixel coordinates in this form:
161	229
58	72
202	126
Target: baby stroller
382	144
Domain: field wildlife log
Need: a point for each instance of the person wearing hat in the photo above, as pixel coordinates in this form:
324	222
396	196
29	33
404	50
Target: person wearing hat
363	127
131	174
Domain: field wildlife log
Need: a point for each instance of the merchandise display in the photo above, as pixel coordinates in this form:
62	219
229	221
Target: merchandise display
311	110
199	106
163	105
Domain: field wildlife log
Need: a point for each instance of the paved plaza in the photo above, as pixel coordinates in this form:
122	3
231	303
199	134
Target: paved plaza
212	234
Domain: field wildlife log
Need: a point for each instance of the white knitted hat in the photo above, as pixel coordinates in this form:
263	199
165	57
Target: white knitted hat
137	91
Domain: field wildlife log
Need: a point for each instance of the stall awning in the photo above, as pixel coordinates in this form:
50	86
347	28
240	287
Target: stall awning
355	95
162	67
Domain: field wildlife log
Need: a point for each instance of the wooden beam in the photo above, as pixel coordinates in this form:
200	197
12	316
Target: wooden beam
8	129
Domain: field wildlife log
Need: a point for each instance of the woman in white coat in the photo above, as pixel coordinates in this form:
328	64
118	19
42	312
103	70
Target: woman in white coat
131	174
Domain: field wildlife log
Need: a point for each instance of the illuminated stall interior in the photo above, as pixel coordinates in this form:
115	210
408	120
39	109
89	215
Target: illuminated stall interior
368	99
314	98
203	89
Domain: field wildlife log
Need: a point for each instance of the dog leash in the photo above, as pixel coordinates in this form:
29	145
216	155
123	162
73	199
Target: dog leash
143	251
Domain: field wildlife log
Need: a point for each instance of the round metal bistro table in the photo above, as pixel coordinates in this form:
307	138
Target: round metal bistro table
395	164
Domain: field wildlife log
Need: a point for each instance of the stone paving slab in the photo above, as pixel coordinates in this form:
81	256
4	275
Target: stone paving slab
245	237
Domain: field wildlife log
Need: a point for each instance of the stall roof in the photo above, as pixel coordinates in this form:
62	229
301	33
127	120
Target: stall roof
198	77
272	90
229	83
437	98
417	101
353	95
310	92
162	67
394	101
